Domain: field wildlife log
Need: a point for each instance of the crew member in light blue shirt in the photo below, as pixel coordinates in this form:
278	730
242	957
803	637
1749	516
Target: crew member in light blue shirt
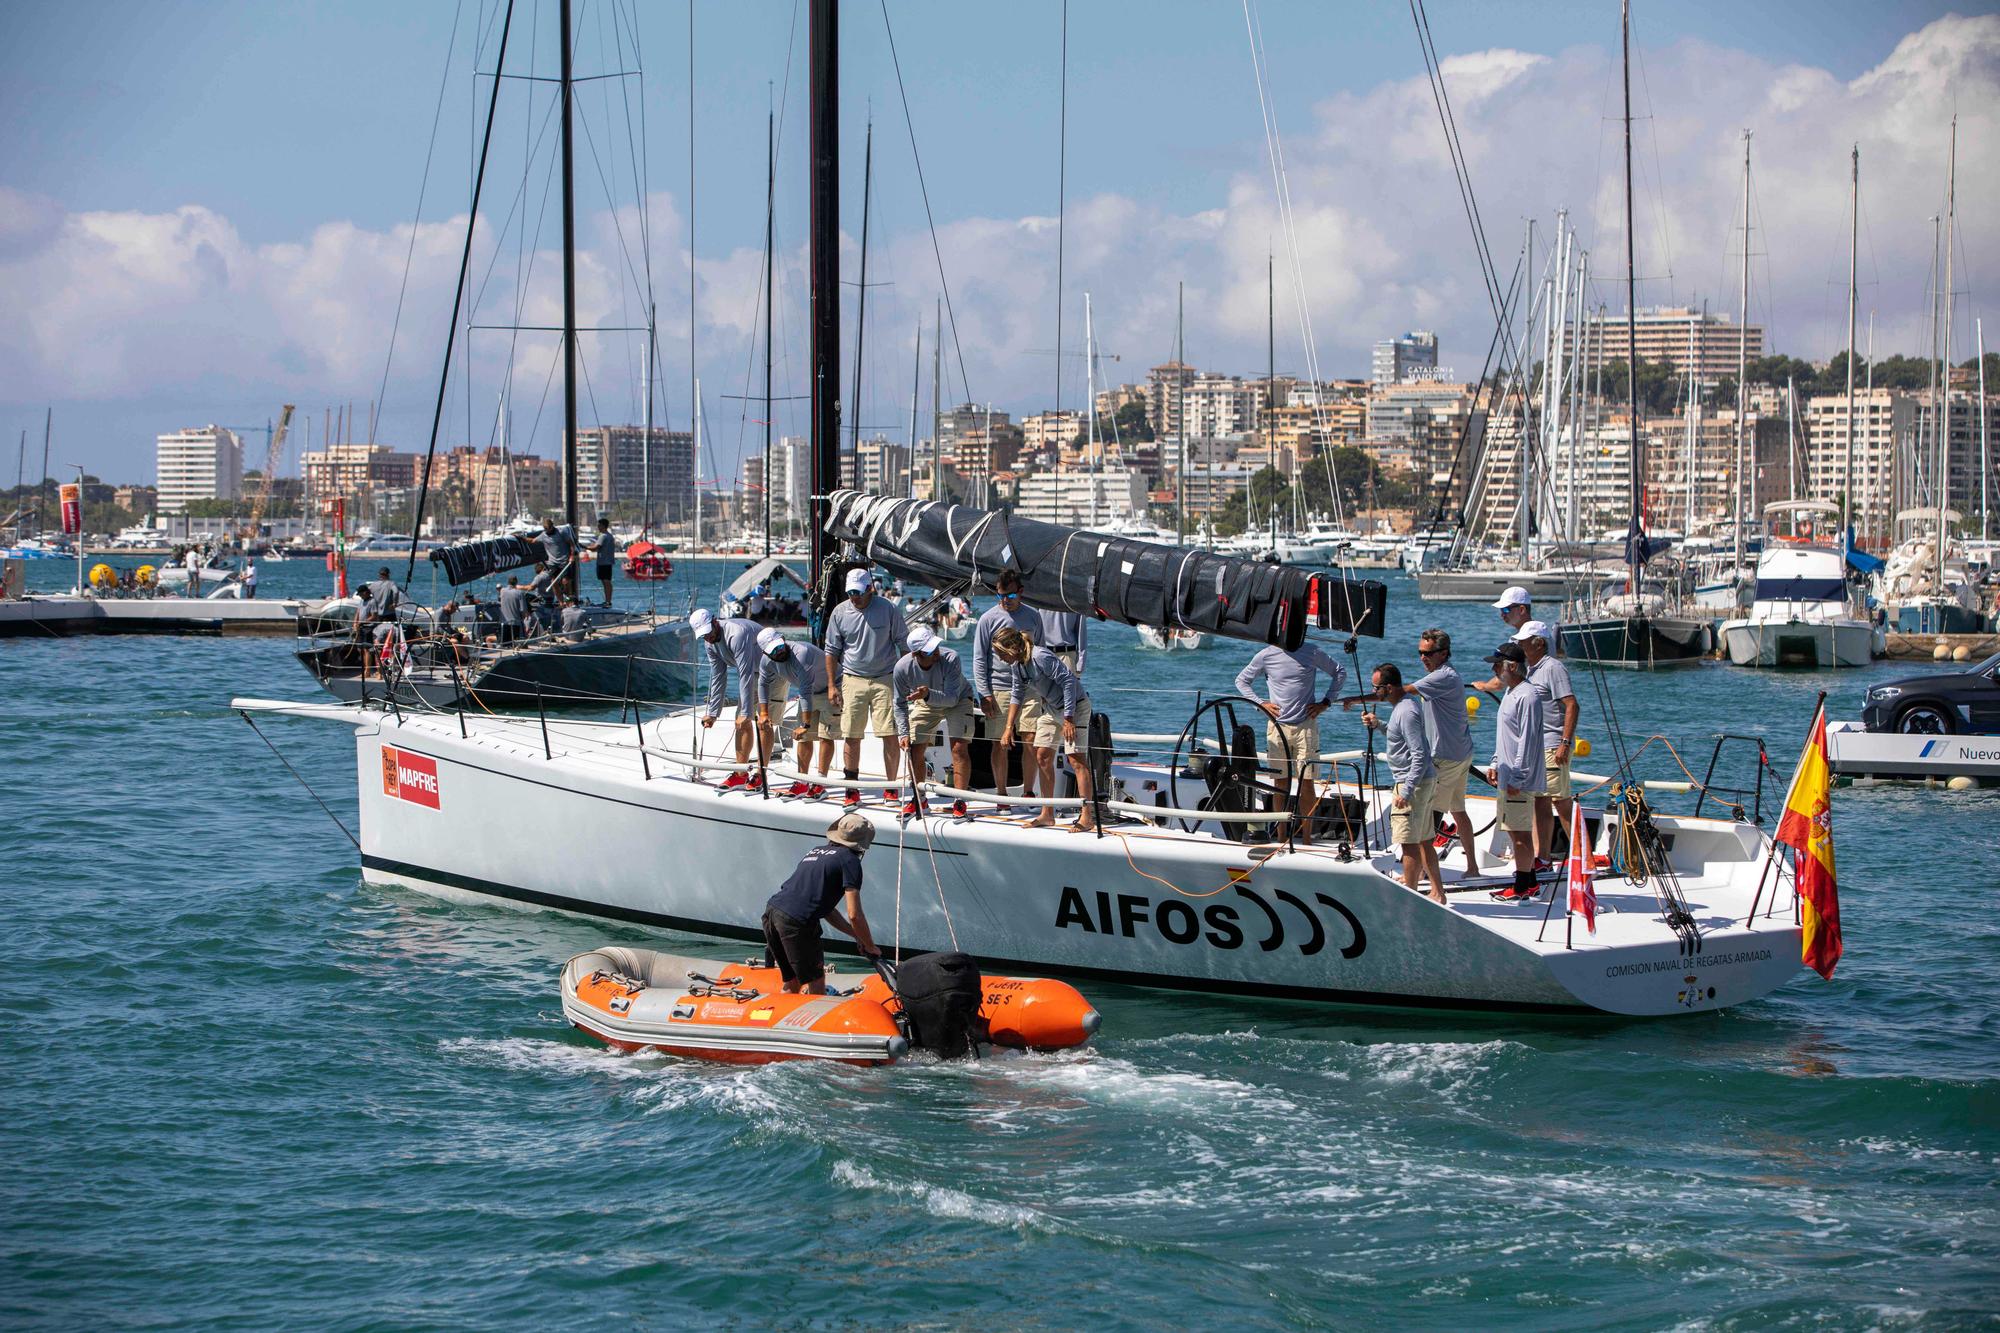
993	680
1414	773
1291	733
1442	692
1518	767
864	637
1062	719
1068	638
731	643
931	695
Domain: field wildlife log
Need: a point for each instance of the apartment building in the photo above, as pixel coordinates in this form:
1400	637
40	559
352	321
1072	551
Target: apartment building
200	463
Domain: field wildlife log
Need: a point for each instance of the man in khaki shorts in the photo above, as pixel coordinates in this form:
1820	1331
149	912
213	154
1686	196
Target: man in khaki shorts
931	695
864	637
1291	733
993	681
1517	772
1442	694
1414	773
798	668
1550	680
1063	720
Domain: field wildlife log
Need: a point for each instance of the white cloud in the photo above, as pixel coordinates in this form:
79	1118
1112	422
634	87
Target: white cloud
121	305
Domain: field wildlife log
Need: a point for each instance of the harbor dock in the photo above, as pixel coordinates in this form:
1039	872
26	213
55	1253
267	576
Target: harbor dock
62	615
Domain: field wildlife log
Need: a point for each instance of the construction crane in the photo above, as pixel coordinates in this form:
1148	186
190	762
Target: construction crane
249	532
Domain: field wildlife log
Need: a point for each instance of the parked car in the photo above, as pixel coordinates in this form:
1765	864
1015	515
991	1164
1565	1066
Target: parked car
1952	703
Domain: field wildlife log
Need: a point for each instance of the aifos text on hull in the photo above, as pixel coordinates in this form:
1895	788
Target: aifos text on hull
579	816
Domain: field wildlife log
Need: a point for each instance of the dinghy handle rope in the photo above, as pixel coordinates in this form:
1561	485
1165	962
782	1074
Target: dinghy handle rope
244	714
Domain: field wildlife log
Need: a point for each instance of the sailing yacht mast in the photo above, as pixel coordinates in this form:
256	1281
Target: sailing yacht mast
916	384
1180	473
1090	406
1635	544
861	294
770	242
1853	242
823	262
1943	486
1742	348
569	285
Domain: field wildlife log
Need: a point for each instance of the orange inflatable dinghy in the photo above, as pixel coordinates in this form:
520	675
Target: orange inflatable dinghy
642	999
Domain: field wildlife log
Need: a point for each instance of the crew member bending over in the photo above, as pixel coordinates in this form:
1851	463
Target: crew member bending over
1291	735
797	668
993	681
1062	717
731	642
864	636
827	878
1415	774
931	693
1518	769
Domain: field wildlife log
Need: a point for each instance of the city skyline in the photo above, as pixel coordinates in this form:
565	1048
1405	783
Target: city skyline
143	316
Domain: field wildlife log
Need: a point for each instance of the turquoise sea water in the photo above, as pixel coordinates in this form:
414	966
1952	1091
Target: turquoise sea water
240	1088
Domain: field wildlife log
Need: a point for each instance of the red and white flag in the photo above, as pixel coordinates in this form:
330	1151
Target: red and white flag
1582	889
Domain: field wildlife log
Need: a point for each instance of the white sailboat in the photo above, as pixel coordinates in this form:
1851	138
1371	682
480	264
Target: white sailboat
1803	615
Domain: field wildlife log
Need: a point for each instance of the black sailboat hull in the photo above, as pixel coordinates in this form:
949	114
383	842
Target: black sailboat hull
1637	642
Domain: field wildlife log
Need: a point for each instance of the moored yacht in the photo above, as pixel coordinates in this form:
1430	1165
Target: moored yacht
1803	614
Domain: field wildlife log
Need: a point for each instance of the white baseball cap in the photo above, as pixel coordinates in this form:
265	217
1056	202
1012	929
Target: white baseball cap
701	620
1514	596
859	580
769	641
923	641
1535	629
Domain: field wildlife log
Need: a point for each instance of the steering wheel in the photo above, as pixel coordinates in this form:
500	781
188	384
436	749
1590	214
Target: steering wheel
1233	780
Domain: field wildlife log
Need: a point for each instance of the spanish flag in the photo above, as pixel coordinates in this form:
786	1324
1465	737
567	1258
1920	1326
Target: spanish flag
1807	828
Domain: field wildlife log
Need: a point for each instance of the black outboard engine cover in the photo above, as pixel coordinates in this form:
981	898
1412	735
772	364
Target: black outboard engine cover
941	994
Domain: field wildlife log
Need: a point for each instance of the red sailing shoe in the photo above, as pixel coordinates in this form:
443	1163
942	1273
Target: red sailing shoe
816	792
735	780
852	799
958	810
799	789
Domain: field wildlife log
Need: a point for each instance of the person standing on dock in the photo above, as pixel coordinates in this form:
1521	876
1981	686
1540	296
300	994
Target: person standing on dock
1062	720
827	878
1291	733
994	684
194	559
606	549
1559	713
732	642
931	695
864	637
1518	768
1441	691
1415	775
797	667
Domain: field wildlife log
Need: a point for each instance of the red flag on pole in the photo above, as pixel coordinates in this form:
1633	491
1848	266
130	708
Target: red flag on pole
71	495
1807	828
1582	888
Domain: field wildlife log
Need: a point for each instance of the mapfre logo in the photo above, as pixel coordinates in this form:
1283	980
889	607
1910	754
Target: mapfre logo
409	777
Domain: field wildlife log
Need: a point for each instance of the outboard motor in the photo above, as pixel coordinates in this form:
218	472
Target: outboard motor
940	995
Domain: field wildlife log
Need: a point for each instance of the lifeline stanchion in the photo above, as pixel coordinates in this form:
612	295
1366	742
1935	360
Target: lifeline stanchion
639	726
543	713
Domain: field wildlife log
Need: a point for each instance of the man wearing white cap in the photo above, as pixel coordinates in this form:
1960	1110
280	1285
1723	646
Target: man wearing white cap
864	637
1516	608
788	667
1550	680
731	642
931	693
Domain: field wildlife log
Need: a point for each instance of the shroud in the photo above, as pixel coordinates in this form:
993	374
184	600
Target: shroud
1112	578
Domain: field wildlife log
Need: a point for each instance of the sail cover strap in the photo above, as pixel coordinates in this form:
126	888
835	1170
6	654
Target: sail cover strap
1112	578
466	561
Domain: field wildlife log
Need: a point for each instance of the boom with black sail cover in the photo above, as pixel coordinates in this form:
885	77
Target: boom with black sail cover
466	561
1112	578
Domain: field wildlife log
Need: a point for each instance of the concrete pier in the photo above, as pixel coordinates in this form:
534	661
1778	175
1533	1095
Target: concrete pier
62	615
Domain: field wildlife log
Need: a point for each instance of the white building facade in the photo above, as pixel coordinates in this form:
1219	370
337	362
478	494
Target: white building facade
203	463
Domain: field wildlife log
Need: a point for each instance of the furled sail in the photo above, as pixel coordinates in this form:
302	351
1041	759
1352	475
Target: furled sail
465	561
1114	578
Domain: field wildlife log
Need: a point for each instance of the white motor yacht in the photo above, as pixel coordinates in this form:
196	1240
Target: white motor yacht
1803	614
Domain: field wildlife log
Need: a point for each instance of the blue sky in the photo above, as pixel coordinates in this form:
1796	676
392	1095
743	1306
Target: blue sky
278	122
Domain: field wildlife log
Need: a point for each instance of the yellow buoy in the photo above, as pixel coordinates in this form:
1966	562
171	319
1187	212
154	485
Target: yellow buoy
1472	703
1962	653
144	575
1962	783
1582	748
103	576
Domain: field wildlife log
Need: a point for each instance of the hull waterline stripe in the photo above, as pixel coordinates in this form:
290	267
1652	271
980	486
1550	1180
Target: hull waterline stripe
1152	980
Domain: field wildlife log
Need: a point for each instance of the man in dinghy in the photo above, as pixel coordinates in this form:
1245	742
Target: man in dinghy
931	695
827	879
1291	734
731	642
1062	719
798	668
994	682
864	637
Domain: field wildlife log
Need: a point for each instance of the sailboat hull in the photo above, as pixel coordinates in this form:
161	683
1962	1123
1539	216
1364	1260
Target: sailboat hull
1798	643
1484	585
1636	642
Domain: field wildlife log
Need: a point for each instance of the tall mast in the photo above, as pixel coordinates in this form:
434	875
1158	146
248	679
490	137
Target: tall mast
1742	352
1521	439
697	464
1985	464
770	251
861	294
916	384
1090	406
1634	548
1944	358
1853	244
937	403
824	263
569	286
1578	362
1180	434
